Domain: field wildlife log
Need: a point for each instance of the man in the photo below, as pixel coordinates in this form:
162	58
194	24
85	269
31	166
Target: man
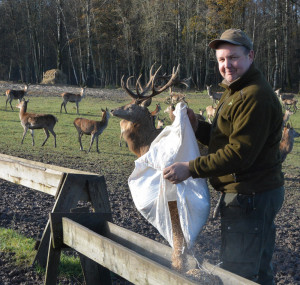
243	161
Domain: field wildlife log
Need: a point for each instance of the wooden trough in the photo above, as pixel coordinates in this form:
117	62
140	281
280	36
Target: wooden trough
102	245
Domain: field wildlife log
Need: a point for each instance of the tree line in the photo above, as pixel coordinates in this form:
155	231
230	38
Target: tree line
95	42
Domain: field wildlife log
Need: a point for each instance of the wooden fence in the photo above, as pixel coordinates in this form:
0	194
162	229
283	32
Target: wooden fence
102	246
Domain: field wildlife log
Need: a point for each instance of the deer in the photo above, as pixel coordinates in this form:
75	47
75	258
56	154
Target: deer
170	111
287	141
32	121
92	128
160	123
74	98
210	111
215	96
15	95
289	103
284	95
286	116
200	115
139	135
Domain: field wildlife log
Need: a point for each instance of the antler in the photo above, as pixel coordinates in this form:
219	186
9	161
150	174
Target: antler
140	96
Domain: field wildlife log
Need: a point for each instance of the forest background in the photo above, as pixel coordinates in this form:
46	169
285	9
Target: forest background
95	42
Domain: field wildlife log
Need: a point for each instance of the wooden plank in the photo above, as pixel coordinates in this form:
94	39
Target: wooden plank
124	262
30	175
93	221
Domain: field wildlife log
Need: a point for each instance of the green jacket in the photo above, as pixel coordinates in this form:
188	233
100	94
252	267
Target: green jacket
243	139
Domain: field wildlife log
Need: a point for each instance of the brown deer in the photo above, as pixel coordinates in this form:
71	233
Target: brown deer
287	141
140	133
91	128
215	96
15	95
33	121
74	98
176	97
200	115
210	111
284	96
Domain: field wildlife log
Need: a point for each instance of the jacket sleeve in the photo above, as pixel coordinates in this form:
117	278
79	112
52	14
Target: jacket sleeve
203	132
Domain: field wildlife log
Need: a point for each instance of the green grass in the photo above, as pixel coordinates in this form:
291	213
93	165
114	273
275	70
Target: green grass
22	247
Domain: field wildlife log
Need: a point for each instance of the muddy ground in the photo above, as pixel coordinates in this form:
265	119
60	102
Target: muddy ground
26	211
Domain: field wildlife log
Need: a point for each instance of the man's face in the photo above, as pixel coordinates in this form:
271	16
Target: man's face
232	60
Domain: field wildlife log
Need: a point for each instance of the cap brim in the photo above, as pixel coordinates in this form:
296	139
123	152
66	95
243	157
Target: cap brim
215	43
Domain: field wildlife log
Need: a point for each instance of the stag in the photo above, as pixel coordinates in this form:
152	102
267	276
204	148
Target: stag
92	128
71	97
33	121
15	95
140	133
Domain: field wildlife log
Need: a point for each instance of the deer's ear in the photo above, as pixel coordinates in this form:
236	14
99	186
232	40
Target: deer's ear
288	125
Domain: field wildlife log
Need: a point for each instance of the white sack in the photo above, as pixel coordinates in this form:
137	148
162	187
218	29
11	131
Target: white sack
151	192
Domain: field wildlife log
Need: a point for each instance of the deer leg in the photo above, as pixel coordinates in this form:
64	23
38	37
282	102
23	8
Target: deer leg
32	136
92	140
79	139
178	257
97	139
47	136
11	105
77	108
54	135
24	134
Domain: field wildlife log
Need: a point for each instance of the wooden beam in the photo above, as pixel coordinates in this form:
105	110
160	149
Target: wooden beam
123	261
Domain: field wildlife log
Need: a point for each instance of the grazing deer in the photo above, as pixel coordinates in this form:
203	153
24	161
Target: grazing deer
71	97
215	96
92	128
15	95
139	135
210	111
33	121
287	141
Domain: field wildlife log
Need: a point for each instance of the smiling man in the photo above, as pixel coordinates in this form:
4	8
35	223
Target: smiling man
243	163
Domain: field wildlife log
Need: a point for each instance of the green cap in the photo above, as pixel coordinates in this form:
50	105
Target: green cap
233	36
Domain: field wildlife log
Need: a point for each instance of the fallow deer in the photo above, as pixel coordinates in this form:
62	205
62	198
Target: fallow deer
215	96
284	96
200	115
287	141
139	135
210	111
92	128
74	98
33	121
15	95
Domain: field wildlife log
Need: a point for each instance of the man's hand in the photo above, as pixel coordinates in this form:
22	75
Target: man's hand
193	119
177	172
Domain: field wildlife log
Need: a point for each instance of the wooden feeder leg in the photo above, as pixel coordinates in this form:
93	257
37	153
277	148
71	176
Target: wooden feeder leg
93	272
52	265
